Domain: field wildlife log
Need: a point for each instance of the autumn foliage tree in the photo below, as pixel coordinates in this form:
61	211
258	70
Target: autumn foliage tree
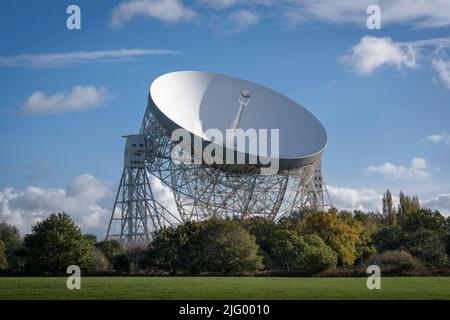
341	237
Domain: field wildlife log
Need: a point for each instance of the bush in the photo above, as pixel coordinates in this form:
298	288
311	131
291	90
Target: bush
398	259
97	261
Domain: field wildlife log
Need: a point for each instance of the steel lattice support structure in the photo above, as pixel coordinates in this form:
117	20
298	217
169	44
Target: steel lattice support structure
201	191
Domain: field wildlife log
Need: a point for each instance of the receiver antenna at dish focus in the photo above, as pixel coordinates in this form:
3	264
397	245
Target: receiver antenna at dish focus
244	99
243	102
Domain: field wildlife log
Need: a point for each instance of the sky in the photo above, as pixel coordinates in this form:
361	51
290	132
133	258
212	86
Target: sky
67	96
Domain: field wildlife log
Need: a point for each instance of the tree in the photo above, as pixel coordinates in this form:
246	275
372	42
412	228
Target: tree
265	232
176	248
425	218
97	261
426	236
227	247
371	222
364	244
214	245
286	249
388	208
120	263
401	204
389	238
302	213
136	255
318	256
115	253
428	245
448	236
3	261
110	248
54	244
309	254
91	238
422	233
338	235
408	205
191	255
9	233
164	251
10	237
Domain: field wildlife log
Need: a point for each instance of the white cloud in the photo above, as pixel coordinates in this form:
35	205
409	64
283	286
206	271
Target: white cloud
78	99
164	196
443	68
241	20
441	203
369	200
234	22
88	187
413	13
51	60
417	170
354	199
166	10
439	138
220	4
418	13
290	13
370	53
81	199
329	11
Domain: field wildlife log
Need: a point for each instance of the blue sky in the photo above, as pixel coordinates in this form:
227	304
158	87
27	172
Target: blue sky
383	95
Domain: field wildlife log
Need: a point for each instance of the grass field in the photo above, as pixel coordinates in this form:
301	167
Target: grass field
224	288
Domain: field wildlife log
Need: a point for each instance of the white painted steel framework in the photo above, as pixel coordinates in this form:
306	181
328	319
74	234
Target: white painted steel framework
201	191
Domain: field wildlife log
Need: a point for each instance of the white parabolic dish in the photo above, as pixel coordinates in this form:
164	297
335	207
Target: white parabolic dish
183	99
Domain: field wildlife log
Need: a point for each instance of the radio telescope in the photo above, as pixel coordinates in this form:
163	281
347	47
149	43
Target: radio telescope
193	102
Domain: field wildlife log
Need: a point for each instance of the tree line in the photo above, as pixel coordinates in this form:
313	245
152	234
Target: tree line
403	240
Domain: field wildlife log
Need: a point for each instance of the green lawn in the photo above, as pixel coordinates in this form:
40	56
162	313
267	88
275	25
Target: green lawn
224	288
